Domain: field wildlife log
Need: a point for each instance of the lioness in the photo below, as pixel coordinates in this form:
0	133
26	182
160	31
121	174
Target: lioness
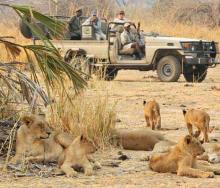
212	153
182	160
36	141
199	119
152	114
137	139
77	154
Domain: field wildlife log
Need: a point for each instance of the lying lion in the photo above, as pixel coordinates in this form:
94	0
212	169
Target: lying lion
182	160
152	114
137	139
212	153
76	154
199	119
37	143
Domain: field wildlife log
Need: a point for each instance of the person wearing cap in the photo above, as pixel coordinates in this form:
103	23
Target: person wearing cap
96	23
121	17
129	41
75	25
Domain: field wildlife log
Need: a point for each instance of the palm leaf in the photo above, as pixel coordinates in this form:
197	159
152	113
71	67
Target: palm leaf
50	62
19	83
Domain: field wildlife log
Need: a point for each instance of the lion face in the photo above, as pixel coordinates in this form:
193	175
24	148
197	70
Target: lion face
37	126
213	158
193	146
87	145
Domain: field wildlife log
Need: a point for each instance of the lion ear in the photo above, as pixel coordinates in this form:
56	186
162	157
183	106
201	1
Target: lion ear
184	112
27	120
82	138
144	102
188	139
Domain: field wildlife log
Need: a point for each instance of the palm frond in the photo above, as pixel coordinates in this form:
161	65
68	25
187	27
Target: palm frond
19	83
48	58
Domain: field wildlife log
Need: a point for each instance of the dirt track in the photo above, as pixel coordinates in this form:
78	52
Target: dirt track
129	90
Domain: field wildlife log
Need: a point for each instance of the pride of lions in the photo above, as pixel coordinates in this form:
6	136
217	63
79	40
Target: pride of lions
36	142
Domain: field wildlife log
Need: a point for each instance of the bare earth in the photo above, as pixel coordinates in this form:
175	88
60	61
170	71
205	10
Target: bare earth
128	91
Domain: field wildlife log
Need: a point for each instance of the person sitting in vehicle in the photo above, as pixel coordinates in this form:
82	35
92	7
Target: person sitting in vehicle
129	41
75	25
121	17
96	23
138	37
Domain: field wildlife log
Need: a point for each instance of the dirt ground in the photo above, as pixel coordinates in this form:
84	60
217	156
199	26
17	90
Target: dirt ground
128	91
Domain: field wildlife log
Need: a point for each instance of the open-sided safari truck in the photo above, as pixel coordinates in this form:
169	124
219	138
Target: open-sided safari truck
169	56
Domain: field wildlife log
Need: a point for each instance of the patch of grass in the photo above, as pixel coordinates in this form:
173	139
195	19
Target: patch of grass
91	116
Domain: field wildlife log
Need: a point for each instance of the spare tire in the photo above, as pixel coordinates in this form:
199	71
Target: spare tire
25	30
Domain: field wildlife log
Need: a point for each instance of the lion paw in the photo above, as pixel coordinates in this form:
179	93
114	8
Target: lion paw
97	165
209	175
88	172
71	174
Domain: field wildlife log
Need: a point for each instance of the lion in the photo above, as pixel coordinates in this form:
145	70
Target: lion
182	160
212	153
137	139
36	142
152	114
76	154
163	146
199	119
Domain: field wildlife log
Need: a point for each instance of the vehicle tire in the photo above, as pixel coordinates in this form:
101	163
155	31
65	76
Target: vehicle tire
197	75
25	30
169	69
110	74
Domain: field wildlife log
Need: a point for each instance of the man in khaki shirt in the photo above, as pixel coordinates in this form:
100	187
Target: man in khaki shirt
128	41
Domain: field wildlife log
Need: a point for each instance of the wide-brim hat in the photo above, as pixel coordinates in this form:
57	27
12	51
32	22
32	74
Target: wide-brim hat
94	13
78	9
127	24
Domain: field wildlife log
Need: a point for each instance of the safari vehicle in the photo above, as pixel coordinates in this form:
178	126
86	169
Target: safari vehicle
169	56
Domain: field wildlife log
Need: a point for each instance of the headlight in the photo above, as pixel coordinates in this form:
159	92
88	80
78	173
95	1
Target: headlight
195	46
186	45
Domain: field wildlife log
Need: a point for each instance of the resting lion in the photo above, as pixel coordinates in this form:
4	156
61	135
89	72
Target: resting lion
152	114
212	153
182	160
76	154
37	143
199	119
137	139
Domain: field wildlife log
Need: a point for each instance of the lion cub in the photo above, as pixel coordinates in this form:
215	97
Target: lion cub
37	143
199	119
182	160
152	114
76	155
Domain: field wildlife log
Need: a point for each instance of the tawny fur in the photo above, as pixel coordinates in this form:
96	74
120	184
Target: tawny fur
199	119
137	139
35	142
182	160
152	114
77	154
212	153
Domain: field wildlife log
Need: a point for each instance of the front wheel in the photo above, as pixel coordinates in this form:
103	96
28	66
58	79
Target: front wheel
197	75
169	69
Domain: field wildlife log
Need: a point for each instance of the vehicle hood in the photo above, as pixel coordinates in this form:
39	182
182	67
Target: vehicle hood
170	39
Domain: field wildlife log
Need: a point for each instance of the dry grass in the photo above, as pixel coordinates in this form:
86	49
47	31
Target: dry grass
181	30
91	116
